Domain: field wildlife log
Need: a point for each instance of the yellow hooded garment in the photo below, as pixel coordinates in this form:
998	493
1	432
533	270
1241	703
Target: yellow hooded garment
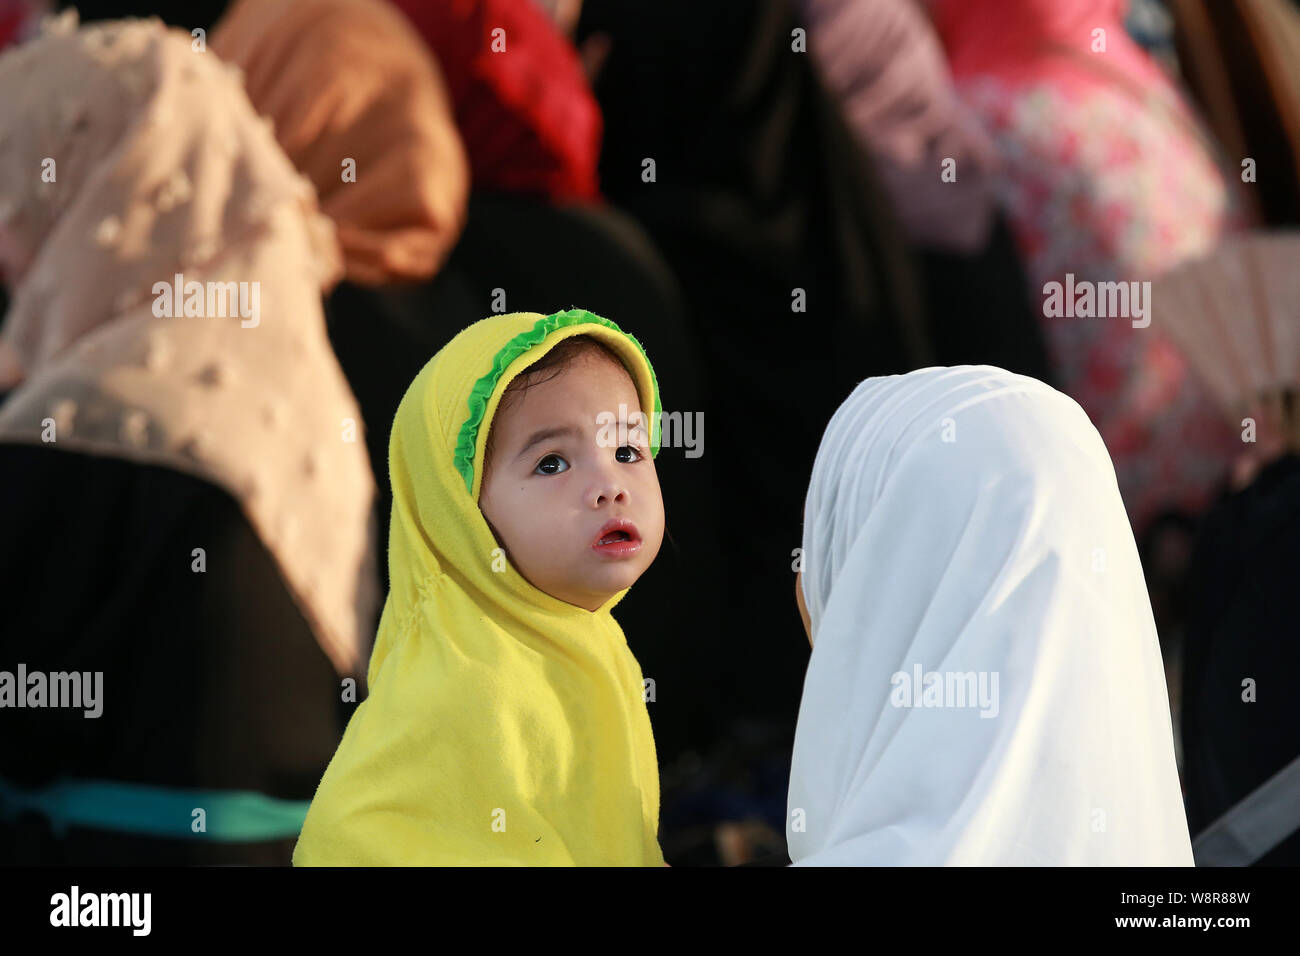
503	726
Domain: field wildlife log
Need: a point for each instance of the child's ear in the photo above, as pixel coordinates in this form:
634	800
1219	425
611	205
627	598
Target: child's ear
803	608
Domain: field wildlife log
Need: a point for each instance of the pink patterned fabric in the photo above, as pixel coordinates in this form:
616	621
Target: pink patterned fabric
882	60
1107	176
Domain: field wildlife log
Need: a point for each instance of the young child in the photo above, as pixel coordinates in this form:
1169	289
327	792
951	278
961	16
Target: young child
506	722
985	686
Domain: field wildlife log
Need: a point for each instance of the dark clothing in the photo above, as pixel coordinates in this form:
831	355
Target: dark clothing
1244	623
776	859
189	15
796	281
212	680
979	313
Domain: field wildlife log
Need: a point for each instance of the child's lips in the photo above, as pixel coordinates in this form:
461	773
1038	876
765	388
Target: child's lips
617	539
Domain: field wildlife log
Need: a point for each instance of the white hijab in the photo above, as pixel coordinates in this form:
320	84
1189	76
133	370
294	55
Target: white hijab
968	520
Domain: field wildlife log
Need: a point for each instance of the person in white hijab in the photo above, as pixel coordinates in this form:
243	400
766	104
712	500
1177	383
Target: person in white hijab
985	685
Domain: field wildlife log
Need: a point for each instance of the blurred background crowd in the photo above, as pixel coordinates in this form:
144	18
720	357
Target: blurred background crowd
779	198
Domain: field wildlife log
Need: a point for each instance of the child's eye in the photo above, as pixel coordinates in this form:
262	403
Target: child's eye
544	469
632	448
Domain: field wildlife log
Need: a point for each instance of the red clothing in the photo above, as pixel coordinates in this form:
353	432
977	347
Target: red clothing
526	113
13	18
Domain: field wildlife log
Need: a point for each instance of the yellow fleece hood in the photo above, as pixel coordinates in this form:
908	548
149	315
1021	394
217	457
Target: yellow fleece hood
503	726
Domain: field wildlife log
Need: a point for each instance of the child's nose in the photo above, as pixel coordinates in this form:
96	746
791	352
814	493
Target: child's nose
609	484
609	489
610	493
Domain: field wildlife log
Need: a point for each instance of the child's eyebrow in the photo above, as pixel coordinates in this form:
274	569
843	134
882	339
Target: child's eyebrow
551	431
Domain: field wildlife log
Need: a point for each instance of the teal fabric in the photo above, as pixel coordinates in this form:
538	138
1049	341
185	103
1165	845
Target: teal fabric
232	816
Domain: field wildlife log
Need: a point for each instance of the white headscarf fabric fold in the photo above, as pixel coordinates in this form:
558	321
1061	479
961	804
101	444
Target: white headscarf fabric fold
966	521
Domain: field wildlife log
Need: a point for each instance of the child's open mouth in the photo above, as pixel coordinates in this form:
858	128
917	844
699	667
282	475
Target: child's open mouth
617	539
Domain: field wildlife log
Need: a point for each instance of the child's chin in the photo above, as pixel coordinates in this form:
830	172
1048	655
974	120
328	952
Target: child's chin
615	578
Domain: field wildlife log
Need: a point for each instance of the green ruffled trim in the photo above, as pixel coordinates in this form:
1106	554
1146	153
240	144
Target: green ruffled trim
482	391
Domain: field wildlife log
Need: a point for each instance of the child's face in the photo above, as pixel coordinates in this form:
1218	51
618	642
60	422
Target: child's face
549	500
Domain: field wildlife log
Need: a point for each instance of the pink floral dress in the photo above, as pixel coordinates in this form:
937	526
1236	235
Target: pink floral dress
1102	184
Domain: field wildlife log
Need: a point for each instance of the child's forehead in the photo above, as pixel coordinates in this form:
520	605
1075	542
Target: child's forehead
574	387
581	398
594	363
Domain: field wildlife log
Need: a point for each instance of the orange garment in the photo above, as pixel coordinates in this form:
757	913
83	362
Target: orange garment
361	108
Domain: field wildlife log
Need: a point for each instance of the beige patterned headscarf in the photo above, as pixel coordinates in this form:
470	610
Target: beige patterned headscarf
127	158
